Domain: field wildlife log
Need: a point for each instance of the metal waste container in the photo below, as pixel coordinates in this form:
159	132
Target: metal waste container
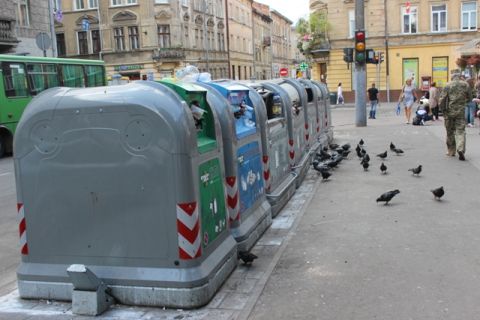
120	180
328	129
333	98
299	135
250	212
276	136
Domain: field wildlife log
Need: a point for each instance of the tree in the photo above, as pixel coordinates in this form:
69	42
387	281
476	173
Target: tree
313	32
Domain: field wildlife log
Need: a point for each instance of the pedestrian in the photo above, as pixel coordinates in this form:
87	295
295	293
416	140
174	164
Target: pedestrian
373	98
471	106
340	99
408	96
433	100
452	102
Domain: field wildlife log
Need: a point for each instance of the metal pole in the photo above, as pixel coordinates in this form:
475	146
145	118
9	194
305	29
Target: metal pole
254	47
387	61
205	33
360	73
52	29
228	40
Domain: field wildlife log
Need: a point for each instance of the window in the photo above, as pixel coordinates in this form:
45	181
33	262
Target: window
116	3
133	36
72	76
93	4
351	24
233	72
469	16
196	38
131	1
23	13
42	76
14	80
79	5
57	5
163	31
61	49
119	38
409	20
95	76
439	18
96	43
185	3
82	42
161	1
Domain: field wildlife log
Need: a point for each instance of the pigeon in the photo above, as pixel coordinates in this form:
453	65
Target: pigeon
383	168
363	152
398	151
438	193
323	155
382	155
247	257
346	146
392	146
366	157
365	165
416	170
359	153
387	196
361	142
325	148
325	175
358	148
345	153
333	146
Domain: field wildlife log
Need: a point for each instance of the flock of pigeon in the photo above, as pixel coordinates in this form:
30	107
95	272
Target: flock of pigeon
331	156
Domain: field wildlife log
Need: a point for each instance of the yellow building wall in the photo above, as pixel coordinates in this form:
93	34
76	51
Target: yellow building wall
424	54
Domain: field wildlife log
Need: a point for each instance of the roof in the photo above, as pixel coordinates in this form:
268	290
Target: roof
282	16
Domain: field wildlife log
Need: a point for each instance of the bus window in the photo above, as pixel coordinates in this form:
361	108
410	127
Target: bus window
42	76
72	76
14	80
95	76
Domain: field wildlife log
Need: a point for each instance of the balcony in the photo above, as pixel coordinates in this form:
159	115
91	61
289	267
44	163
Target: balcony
7	33
317	47
169	54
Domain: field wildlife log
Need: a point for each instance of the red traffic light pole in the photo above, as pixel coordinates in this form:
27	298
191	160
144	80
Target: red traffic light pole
360	72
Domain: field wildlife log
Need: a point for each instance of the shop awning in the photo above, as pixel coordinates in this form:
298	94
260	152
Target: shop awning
470	48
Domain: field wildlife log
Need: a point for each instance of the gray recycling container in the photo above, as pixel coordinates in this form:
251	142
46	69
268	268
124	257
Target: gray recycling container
120	180
314	106
328	128
280	179
250	212
299	135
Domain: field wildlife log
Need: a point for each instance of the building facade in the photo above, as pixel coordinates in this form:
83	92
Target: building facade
419	39
240	39
262	41
20	23
281	44
148	39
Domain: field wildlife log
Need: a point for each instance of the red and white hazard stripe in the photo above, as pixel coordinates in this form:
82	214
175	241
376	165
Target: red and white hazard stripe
22	229
326	120
318	125
307	134
266	172
291	152
188	227
232	198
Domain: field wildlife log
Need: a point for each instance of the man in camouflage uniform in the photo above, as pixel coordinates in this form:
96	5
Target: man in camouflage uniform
453	100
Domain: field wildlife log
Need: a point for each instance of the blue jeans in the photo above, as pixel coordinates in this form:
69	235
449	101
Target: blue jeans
470	112
373	108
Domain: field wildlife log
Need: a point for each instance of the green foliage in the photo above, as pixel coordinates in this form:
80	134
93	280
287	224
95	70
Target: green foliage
314	29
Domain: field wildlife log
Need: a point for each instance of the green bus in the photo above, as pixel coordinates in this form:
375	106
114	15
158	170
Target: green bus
23	77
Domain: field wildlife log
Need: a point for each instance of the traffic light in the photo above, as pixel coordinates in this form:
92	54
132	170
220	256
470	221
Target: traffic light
382	57
348	55
373	57
360	54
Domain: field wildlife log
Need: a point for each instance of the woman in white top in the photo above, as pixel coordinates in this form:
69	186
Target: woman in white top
340	99
408	97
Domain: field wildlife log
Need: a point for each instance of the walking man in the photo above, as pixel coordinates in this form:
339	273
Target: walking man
453	99
373	97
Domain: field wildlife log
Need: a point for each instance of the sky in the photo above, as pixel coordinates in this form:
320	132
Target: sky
292	9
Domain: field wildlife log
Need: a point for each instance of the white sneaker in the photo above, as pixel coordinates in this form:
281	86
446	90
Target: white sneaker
470	125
